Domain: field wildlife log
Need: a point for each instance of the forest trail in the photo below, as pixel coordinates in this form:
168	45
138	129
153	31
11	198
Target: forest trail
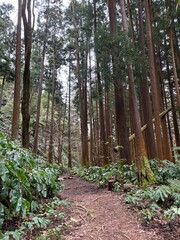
98	214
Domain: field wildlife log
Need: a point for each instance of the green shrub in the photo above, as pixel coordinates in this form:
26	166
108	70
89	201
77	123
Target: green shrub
24	178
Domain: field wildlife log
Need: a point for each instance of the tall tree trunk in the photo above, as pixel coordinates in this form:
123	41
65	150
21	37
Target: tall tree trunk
50	153
69	123
166	146
144	91
171	92
174	71
17	85
156	107
82	85
47	119
104	156
120	113
35	143
26	8
91	118
131	22
145	174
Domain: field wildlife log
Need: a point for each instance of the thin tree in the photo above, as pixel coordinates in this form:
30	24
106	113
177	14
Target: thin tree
35	143
50	152
28	28
82	86
17	85
69	122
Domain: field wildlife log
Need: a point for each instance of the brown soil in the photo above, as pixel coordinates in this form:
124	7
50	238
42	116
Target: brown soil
98	214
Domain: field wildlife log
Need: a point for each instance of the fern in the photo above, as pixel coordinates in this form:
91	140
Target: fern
162	193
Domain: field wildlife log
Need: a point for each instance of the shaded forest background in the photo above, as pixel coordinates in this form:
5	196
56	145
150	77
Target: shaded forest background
121	97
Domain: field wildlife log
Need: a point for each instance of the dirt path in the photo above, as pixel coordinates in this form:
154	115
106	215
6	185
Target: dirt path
97	214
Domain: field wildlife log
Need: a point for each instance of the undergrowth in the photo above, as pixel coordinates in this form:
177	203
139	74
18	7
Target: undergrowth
160	201
24	180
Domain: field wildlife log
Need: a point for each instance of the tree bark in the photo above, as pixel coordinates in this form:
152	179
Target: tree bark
145	174
2	88
120	113
35	143
159	145
69	123
26	8
82	85
145	93
51	136
17	85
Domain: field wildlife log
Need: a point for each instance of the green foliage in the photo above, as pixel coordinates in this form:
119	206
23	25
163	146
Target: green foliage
23	179
101	175
165	170
163	200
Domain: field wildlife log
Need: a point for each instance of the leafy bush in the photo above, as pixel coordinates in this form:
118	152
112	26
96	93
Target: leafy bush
101	175
165	170
23	179
163	200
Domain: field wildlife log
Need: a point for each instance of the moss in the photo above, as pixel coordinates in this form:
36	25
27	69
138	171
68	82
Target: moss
146	172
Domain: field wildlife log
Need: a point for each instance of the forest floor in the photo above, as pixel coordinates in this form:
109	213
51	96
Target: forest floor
99	214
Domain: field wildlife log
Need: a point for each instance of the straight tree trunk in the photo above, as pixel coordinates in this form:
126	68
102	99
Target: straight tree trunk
26	9
17	85
2	88
47	119
145	174
50	153
166	146
175	71
69	123
155	97
171	92
35	143
144	91
103	140
82	85
120	113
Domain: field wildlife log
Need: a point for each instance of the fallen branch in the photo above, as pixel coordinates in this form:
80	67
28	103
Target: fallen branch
162	114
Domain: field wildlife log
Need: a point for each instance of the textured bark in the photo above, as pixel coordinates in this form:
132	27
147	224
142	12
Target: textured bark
145	174
27	21
131	22
35	143
17	85
69	123
120	113
82	86
166	146
47	120
145	93
91	117
2	88
175	123
175	71
51	135
155	97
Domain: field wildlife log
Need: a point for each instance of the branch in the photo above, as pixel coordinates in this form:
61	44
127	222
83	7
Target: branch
162	114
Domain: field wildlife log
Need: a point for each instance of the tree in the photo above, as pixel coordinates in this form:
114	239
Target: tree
145	174
156	106
120	112
17	86
82	86
28	29
35	144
